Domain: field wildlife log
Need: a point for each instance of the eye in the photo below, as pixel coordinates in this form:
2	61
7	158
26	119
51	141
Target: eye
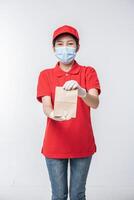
70	43
59	43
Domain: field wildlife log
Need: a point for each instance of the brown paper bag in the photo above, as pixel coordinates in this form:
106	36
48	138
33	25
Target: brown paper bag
65	102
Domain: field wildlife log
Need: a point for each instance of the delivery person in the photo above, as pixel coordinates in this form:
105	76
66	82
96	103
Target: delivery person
68	139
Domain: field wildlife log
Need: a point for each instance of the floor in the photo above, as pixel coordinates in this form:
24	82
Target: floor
40	193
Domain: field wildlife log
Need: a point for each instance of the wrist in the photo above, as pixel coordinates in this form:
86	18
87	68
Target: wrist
51	114
83	93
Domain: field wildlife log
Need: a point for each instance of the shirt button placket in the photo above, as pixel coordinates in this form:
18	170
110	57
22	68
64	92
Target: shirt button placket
67	76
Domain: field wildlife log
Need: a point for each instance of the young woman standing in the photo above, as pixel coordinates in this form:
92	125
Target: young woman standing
68	139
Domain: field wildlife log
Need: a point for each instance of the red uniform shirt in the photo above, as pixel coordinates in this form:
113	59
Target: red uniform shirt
72	138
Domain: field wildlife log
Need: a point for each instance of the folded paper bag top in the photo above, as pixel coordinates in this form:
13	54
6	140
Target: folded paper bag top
65	102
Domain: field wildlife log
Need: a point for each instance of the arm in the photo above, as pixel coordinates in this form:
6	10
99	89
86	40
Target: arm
47	105
44	97
49	112
92	98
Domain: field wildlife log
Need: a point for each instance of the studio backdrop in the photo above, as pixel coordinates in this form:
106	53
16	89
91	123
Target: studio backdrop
106	30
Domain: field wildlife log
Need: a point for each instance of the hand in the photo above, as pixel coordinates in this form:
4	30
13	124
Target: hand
59	118
72	84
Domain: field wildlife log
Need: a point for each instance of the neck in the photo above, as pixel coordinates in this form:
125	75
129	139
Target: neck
66	67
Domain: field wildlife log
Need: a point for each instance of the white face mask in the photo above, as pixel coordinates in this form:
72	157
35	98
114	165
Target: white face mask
65	54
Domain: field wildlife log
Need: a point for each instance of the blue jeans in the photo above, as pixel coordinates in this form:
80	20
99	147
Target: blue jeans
57	170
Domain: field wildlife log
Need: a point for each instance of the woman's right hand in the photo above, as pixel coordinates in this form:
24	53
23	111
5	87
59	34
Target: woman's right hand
49	112
59	118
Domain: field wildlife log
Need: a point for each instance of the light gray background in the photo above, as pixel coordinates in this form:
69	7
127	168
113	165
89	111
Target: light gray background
106	30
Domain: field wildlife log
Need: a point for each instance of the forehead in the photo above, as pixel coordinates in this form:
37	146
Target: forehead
64	36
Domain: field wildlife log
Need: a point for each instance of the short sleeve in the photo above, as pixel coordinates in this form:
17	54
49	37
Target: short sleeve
43	86
92	80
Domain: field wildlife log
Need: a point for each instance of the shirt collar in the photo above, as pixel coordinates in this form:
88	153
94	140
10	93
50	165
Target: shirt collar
74	70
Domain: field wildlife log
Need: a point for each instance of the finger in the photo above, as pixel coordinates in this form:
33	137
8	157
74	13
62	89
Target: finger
68	117
63	118
65	84
75	85
69	86
60	119
65	113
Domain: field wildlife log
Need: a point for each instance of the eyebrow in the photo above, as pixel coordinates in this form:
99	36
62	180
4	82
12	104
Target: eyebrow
62	41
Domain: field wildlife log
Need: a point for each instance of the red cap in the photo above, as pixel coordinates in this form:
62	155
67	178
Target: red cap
66	29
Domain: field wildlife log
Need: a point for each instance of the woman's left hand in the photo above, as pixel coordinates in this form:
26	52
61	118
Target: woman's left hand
72	85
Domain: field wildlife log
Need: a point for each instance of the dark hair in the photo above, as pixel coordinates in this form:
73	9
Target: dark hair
76	40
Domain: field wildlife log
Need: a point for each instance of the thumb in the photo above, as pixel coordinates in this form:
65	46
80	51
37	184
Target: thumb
68	116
